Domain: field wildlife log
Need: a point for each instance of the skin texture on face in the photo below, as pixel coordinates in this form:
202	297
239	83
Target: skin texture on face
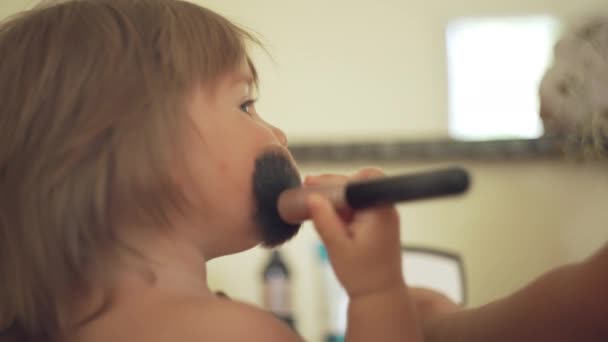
237	164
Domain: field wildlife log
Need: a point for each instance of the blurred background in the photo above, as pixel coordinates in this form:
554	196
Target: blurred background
409	85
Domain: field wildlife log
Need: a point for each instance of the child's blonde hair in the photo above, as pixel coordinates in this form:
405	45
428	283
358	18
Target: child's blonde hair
92	117
575	88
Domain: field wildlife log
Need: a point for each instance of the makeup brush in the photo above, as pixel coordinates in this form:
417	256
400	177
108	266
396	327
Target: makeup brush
374	192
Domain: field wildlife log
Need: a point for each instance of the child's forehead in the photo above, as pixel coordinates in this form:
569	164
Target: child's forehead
242	75
232	80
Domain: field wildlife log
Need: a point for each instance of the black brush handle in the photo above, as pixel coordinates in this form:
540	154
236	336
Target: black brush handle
411	187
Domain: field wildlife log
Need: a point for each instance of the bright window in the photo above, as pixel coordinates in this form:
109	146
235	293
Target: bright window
494	69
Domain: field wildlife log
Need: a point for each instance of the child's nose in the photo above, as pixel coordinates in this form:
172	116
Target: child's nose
280	135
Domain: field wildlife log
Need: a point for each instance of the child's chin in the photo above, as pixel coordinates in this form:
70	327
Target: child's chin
248	238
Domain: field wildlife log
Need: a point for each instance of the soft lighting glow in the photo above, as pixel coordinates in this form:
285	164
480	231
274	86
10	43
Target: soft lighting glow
494	69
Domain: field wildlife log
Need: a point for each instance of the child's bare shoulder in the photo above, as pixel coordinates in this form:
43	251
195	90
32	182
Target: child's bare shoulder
186	319
228	320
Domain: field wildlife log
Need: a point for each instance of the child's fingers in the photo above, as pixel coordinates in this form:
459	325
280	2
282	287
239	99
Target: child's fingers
325	179
372	216
369	173
326	221
367	217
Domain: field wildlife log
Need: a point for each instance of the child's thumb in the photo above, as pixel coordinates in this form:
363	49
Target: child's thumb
326	220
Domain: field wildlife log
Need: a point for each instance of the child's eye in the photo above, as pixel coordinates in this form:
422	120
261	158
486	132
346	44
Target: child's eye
248	107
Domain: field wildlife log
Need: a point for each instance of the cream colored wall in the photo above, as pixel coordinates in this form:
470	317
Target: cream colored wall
376	68
8	7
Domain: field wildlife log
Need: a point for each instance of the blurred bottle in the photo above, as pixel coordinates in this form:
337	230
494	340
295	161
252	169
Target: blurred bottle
277	291
336	300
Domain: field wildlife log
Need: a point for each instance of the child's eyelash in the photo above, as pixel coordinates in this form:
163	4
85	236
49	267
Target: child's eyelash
246	104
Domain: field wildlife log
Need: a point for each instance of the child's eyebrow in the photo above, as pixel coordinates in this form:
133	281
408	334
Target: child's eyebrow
246	78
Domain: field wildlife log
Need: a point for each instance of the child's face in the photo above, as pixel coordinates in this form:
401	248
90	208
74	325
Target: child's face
234	153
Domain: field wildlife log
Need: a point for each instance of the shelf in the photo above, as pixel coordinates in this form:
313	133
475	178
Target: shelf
428	151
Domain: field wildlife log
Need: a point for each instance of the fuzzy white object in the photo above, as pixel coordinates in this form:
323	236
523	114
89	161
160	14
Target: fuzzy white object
574	90
575	87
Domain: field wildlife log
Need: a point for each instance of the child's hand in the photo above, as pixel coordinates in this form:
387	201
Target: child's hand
364	247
